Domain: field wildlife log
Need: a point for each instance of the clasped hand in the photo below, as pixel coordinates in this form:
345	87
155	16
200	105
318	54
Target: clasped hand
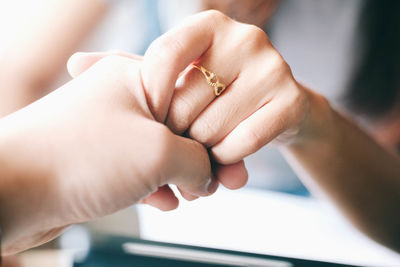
125	127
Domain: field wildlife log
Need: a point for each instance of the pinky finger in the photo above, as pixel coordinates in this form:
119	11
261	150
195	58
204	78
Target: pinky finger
233	176
163	199
252	134
187	196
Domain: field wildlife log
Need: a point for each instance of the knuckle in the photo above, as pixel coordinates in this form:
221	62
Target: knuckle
297	95
253	37
165	50
252	139
215	16
202	131
179	116
256	32
276	60
297	101
276	66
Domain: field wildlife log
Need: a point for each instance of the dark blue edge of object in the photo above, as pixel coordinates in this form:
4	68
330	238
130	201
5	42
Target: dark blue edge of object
112	246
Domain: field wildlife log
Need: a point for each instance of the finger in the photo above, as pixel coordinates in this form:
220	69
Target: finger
189	167
249	92
187	196
81	61
193	93
163	199
246	82
171	53
259	129
233	176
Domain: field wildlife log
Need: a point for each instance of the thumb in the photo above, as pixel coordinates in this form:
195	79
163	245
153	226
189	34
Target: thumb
81	61
189	167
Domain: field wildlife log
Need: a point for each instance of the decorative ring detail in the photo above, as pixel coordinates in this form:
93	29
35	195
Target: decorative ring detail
212	79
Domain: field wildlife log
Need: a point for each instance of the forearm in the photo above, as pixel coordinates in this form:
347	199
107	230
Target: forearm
27	187
352	169
34	54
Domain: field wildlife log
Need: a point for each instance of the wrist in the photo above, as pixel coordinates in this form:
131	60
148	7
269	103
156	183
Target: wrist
27	188
317	123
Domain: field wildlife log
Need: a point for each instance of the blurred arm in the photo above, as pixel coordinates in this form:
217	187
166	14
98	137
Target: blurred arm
358	174
37	39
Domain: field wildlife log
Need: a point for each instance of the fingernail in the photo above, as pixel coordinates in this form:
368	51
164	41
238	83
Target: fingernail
212	186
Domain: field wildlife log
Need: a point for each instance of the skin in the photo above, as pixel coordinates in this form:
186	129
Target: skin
330	153
56	30
38	73
362	181
59	36
386	130
78	154
332	156
52	34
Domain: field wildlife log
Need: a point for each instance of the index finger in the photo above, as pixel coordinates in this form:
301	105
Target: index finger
171	53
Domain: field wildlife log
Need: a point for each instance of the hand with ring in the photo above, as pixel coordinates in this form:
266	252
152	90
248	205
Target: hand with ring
223	84
262	101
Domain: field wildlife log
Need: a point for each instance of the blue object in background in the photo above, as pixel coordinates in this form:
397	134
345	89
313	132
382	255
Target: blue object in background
150	9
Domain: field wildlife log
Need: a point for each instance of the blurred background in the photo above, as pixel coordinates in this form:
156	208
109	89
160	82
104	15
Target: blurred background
319	40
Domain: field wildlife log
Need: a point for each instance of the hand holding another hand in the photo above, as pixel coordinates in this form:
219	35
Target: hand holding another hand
88	149
262	101
100	136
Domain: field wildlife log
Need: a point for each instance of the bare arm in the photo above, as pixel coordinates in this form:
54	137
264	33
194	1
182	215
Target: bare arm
264	103
360	176
44	34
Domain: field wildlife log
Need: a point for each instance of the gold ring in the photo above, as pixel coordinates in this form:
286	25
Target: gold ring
212	79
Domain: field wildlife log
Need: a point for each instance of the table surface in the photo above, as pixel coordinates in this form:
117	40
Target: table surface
265	222
245	220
